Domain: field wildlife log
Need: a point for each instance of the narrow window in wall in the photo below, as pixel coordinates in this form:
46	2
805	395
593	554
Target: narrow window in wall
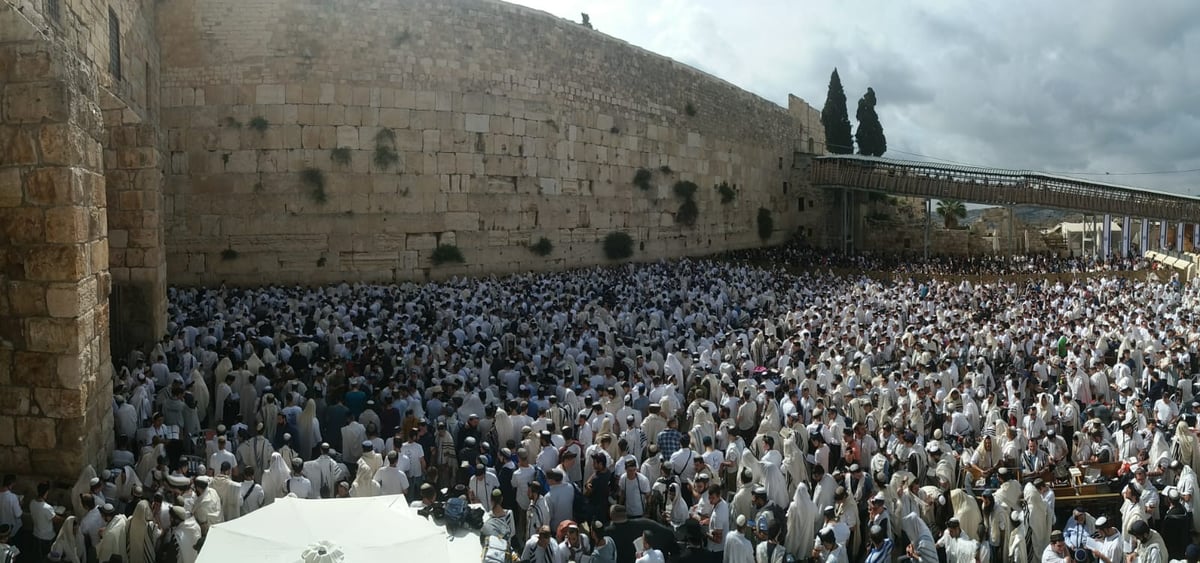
781	163
800	204
53	12
810	146
114	44
785	187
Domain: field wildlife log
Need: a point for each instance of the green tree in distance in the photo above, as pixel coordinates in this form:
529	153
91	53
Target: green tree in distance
870	137
951	211
835	118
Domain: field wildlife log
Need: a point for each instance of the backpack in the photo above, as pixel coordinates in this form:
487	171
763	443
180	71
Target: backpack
455	512
540	476
580	507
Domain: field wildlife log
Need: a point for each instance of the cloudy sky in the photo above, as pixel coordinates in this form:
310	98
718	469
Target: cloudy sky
1072	86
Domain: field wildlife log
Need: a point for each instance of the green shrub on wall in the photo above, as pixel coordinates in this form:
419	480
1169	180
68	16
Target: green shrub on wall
618	246
688	210
315	180
259	124
385	149
641	179
446	253
229	254
543	247
766	224
727	193
340	155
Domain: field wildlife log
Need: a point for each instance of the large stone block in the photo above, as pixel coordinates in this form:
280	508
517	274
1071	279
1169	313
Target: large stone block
35	102
56	263
23	225
270	94
35	432
67	225
60	403
17	146
57	335
16	459
14	401
26	299
54	185
8	436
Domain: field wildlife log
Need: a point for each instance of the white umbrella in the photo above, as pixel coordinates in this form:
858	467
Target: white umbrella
358	530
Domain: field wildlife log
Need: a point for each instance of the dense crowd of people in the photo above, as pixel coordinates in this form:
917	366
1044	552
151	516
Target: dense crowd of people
691	410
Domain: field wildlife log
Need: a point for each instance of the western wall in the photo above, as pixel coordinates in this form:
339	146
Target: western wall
307	141
504	124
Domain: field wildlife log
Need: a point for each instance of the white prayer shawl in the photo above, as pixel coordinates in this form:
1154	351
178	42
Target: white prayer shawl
1184	446
738	548
678	509
364	485
230	493
143	535
82	486
801	524
187	533
823	492
770	422
113	542
962	549
966	511
1187	481
353	435
504	429
920	536
201	393
743	503
373	460
1037	514
776	483
308	430
274	479
793	462
69	542
126	481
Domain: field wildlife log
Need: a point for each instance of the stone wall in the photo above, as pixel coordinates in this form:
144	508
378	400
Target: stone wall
55	372
494	125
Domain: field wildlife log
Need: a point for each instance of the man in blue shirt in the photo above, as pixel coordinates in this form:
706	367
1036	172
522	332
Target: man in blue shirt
881	546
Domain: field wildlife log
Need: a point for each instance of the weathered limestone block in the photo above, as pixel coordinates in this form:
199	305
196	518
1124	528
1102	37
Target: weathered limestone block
36	432
421	242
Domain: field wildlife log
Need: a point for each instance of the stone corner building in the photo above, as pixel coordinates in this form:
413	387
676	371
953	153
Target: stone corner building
313	141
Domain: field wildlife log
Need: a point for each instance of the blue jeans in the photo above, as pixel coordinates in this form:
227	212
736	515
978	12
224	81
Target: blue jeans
414	487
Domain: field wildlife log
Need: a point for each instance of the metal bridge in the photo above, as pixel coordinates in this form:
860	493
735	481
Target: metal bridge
999	187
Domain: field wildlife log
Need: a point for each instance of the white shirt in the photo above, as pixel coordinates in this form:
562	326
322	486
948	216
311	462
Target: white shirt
482	487
415	453
299	486
10	511
221	456
392	481
42	515
634	491
719	520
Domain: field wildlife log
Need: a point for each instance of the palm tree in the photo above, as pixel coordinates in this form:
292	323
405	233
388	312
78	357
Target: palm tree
951	210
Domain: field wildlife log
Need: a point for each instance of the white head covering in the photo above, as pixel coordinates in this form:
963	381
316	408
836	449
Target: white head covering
274	477
801	523
68	542
143	536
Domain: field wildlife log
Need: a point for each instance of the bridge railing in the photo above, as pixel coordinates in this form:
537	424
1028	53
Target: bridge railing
999	187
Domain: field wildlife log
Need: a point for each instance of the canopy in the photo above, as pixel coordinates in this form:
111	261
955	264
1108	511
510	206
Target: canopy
364	530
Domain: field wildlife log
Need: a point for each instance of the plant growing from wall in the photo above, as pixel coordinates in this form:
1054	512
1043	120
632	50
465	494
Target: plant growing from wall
614	130
727	192
665	169
231	122
641	179
618	246
229	254
689	109
688	210
385	149
321	262
587	21
543	247
446	253
260	124
766	223
401	38
314	179
340	155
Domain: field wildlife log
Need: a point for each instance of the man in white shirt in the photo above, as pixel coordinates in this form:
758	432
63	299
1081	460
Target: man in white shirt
392	480
416	462
718	521
222	455
43	517
298	484
481	485
10	505
252	493
634	489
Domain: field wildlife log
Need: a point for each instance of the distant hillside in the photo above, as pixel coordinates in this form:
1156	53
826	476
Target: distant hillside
1033	216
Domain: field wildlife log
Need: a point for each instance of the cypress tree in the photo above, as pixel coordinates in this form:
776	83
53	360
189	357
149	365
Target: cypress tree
836	119
870	137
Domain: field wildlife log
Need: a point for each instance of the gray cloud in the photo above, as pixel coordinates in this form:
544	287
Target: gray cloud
1104	86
